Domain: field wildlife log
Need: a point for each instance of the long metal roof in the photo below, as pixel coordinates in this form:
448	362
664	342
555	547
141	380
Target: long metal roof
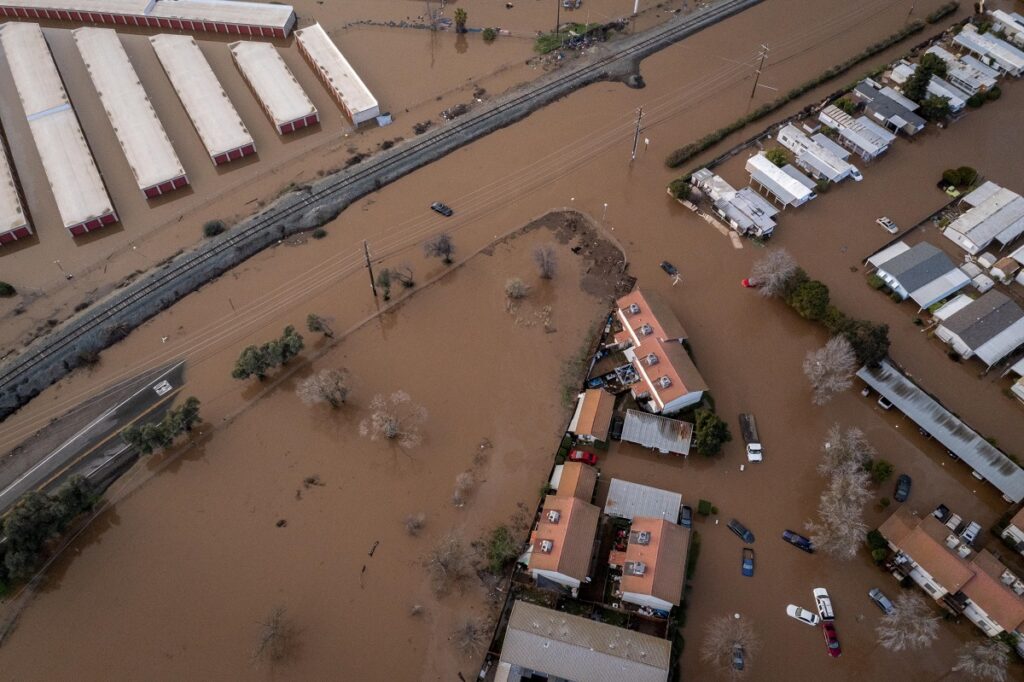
782	183
69	165
628	500
268	14
12	213
214	117
655	431
336	71
947	428
140	133
272	81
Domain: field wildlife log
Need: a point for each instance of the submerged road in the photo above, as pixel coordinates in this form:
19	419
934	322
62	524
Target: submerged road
97	444
55	355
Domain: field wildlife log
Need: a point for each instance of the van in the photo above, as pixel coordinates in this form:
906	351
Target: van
970	534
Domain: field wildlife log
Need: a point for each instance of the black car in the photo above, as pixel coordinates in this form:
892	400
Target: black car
902	488
669	268
686	517
742	531
798	541
443	209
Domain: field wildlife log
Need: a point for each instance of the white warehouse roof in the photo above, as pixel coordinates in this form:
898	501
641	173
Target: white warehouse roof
628	500
266	14
142	137
345	84
214	117
70	168
12	213
790	186
273	82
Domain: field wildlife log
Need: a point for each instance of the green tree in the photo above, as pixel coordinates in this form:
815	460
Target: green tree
317	324
76	495
489	35
846	105
460	20
251	362
810	300
870	341
934	65
291	344
935	108
34	520
710	432
501	549
881	470
778	156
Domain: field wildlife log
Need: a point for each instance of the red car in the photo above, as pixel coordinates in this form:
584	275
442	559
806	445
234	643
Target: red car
749	283
583	456
831	639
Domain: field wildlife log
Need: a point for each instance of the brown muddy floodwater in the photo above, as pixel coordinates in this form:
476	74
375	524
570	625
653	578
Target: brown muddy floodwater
176	582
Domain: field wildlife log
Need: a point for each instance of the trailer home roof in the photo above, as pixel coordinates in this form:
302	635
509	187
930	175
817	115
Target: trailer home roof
70	169
214	117
139	131
273	82
335	70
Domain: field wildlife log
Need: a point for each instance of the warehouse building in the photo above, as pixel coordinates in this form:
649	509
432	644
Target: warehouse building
142	137
341	80
14	223
78	189
282	98
267	20
207	105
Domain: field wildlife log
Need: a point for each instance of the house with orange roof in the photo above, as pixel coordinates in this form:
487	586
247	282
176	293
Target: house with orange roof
976	585
562	542
654	563
652	339
576	479
1013	534
593	415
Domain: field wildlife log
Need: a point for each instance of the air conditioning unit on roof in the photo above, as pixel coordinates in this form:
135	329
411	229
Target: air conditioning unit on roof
665	382
651	359
554	515
634	309
546	546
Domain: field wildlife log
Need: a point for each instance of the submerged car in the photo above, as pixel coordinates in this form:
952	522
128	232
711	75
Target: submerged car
824	603
749	283
443	209
887	224
802	615
831	639
742	531
737	656
748	562
881	601
686	516
669	268
798	541
902	488
583	456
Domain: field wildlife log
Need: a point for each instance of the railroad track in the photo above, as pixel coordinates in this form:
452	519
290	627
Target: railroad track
398	161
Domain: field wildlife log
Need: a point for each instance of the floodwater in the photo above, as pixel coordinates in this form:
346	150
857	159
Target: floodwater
219	503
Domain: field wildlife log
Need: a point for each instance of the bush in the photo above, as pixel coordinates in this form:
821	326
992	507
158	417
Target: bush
942	12
704	507
975	101
211	228
489	35
710	433
778	156
691	556
810	300
319	233
875	282
7	290
870	341
515	288
681	188
502	548
881	470
834	320
846	105
994	94
878	555
876	540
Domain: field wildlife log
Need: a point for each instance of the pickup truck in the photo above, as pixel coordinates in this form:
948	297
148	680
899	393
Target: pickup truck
748	427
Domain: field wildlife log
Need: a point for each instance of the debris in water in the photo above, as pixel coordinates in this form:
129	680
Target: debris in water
373	549
281	523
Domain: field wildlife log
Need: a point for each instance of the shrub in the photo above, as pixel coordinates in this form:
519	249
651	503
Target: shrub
994	94
876	540
681	188
876	282
941	12
810	300
710	433
704	507
515	288
489	35
975	101
870	341
878	555
319	233
211	228
846	105
7	290
501	549
778	156
881	470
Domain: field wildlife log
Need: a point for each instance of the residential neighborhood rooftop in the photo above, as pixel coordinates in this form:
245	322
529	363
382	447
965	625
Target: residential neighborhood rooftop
991	326
663	557
571	536
657	432
988	591
787	184
996	213
923	538
593	414
630	500
577	480
568	647
924	271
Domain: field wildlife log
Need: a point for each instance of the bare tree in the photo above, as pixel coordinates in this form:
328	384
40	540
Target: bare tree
326	386
277	638
830	369
414	523
773	271
547	262
841	448
911	624
515	288
464	483
440	246
470	637
447	565
987	660
317	324
395	418
722	636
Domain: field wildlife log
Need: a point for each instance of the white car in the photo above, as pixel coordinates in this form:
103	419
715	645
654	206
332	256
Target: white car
888	224
824	604
755	453
802	615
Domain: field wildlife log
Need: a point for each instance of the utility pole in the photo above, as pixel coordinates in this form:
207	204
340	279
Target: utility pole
369	267
558	15
636	133
757	76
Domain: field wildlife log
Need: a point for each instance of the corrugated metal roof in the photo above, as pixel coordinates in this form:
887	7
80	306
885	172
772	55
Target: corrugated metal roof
946	428
655	431
141	135
984	319
573	648
207	105
272	81
779	181
12	213
336	71
269	14
629	500
69	165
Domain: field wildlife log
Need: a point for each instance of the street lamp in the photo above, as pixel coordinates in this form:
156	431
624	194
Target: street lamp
604	214
67	275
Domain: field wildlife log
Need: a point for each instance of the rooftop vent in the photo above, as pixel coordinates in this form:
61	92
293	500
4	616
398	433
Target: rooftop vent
664	382
634	309
646	330
1018	587
1008	578
651	359
643	537
554	515
963	551
952	540
546	546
